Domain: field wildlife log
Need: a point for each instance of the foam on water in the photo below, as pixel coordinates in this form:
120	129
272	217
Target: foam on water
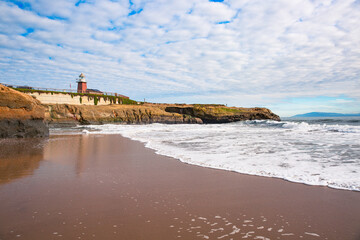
316	154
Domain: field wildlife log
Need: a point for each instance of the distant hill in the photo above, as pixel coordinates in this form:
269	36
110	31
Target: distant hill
326	114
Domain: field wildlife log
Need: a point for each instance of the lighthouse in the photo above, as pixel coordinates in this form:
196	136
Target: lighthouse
81	84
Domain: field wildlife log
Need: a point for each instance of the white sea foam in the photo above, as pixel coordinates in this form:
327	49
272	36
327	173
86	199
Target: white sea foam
316	154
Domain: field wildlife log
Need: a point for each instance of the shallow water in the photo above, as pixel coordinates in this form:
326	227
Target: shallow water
313	151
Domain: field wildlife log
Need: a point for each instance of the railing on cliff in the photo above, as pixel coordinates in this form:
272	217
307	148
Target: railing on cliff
62	90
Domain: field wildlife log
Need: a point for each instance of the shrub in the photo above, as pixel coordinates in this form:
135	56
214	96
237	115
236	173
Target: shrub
128	101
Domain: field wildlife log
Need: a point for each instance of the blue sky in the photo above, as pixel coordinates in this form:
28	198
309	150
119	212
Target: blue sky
291	56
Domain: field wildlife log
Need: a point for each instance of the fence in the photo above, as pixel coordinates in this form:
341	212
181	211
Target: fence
60	90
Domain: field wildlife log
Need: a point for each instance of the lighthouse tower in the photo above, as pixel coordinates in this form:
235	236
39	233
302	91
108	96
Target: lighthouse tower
81	84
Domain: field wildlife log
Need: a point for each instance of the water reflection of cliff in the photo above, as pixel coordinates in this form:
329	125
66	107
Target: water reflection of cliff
80	151
19	158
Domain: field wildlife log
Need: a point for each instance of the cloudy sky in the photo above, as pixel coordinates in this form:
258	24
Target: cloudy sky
293	56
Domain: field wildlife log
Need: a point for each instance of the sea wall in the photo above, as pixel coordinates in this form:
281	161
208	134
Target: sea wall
66	98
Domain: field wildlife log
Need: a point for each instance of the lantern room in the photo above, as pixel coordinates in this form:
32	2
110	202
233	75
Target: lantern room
81	84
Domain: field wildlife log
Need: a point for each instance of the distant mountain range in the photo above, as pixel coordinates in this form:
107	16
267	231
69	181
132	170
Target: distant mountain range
326	114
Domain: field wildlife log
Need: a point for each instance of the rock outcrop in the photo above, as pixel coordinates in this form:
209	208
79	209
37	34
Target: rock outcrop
129	114
223	114
152	113
21	115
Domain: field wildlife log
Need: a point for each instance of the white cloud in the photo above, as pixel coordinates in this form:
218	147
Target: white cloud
213	11
62	9
176	50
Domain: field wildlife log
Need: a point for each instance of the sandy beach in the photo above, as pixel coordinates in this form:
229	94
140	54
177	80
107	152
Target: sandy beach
109	187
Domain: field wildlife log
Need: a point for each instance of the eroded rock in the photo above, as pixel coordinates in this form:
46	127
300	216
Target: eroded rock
153	113
21	115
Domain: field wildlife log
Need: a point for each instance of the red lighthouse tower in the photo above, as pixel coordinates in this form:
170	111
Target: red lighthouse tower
81	84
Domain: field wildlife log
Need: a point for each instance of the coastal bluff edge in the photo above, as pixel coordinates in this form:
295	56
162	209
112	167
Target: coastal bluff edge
21	115
59	114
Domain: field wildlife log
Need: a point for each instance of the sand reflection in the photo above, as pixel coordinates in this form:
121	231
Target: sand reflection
19	158
82	152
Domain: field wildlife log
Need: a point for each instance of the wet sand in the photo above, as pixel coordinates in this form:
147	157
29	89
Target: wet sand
109	187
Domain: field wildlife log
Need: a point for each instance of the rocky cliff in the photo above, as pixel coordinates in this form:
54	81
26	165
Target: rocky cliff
223	114
152	113
134	114
21	115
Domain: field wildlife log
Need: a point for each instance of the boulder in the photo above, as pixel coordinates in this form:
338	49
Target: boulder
21	115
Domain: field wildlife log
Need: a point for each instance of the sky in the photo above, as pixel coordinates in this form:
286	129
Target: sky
293	56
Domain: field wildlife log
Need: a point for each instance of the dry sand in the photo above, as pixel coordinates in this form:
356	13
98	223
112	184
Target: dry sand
109	187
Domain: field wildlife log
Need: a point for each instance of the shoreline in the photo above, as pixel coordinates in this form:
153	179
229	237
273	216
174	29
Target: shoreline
151	196
233	171
208	167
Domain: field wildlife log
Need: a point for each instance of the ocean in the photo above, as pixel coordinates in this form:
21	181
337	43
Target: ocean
314	151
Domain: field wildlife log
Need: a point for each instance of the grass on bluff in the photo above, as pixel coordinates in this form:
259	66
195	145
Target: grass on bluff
217	109
229	110
111	99
208	105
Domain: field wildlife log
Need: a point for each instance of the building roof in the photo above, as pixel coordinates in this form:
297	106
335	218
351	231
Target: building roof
81	75
93	90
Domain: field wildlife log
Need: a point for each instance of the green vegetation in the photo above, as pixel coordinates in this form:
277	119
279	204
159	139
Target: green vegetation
127	101
216	110
229	110
209	105
112	99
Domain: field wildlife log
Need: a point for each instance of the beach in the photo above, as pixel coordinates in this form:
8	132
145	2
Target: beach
110	187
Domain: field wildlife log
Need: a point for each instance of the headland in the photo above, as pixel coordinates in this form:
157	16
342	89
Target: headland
24	109
152	113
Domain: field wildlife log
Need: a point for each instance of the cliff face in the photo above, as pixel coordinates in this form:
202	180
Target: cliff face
21	115
152	113
70	114
222	114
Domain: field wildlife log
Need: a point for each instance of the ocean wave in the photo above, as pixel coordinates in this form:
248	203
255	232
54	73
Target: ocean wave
315	154
305	126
